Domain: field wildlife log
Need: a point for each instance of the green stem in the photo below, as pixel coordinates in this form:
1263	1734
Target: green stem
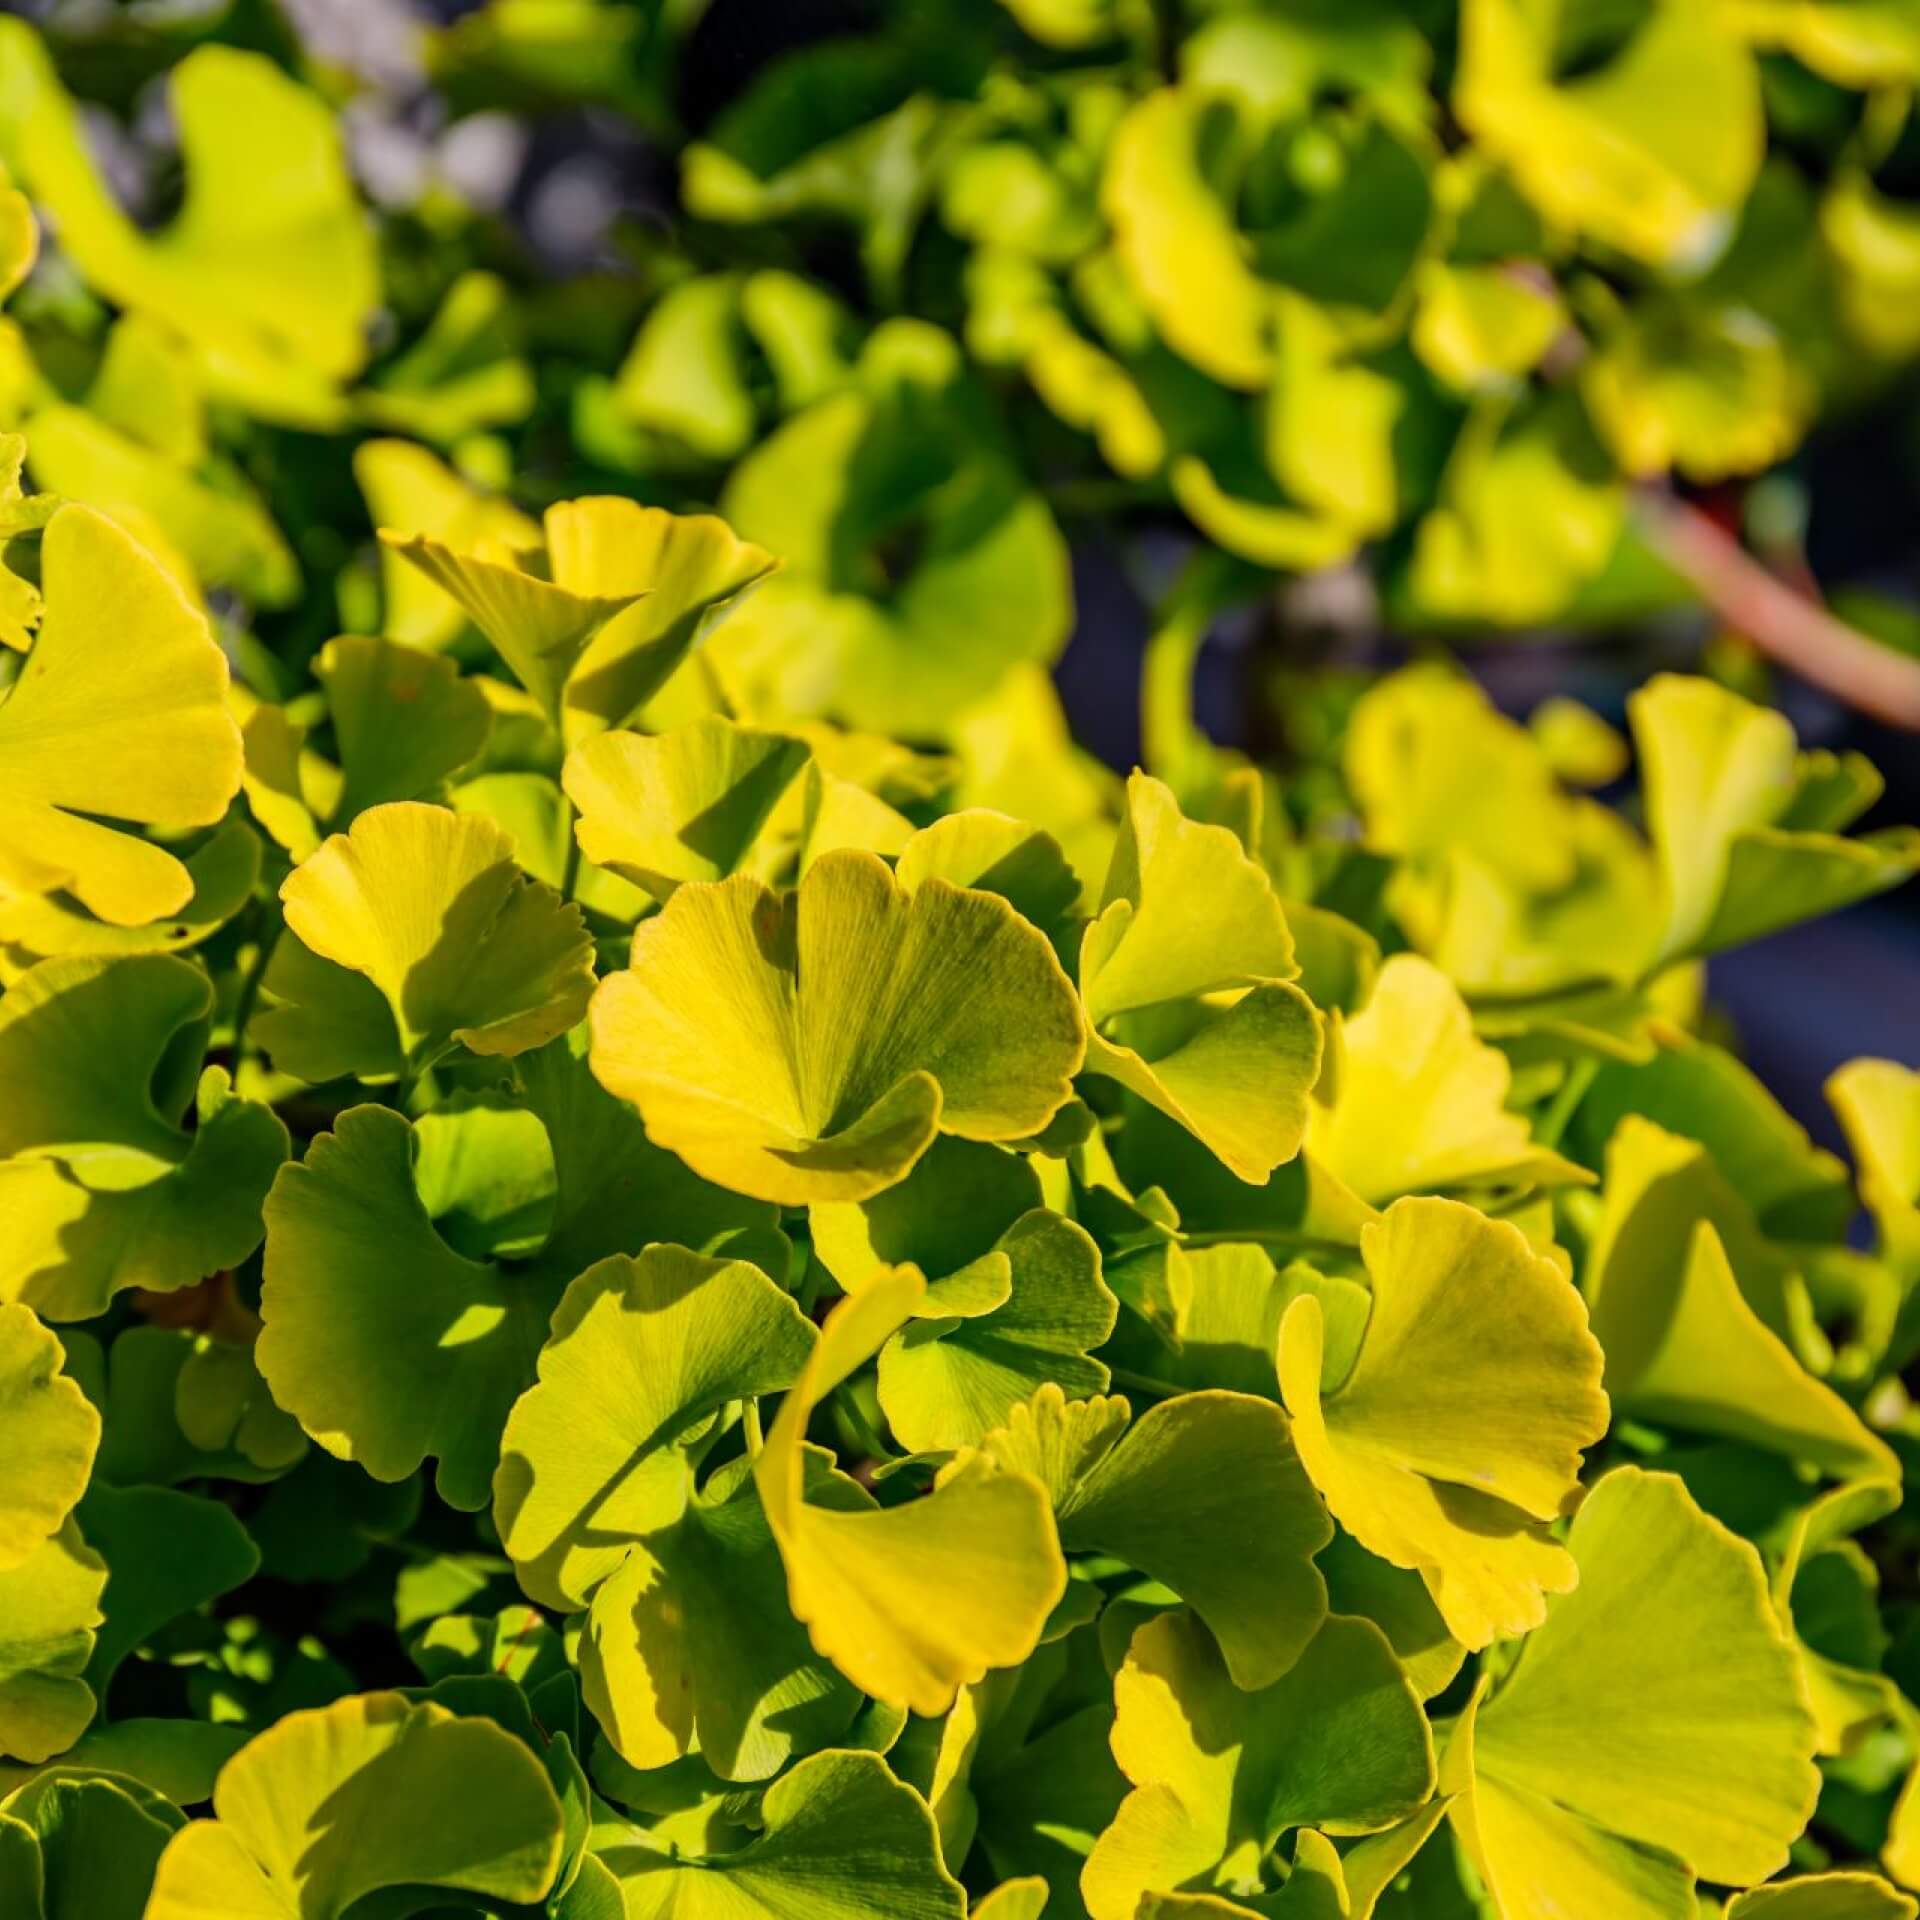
750	1420
249	993
1573	1089
1147	1383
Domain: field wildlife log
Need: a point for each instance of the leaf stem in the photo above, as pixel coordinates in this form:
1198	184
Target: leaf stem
249	994
750	1420
1146	1383
1796	632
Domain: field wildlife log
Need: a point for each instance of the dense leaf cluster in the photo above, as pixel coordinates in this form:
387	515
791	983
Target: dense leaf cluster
658	1257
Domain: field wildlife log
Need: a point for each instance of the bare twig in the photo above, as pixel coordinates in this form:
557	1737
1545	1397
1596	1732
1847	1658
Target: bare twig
1796	632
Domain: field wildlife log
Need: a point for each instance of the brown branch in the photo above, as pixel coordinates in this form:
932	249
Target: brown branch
1798	633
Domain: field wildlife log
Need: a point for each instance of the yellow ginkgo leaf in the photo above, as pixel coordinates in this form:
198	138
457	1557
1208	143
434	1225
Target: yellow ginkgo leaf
1412	1100
910	1602
1457	1434
1654	1728
118	714
412	932
48	1435
808	1047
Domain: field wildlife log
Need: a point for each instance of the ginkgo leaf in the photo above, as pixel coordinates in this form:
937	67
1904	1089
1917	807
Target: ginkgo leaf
401	723
626	592
1824	1896
1338	1743
1457	1433
1204	1493
946	1382
1596	152
49	1433
49	1609
1736	817
223	870
897	468
429	908
1684	1344
689	1643
1530	510
687	805
167	1553
642	1353
1186	979
302	1816
840	1839
463	373
890	1017
225	537
20	512
1414	1100
910	1602
269	268
1481	326
1878	1105
384	1373
118	713
103	1188
409	492
93	1844
945	1217
1667	1660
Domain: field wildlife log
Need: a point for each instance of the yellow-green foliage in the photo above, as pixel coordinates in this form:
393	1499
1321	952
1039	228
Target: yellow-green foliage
661	1260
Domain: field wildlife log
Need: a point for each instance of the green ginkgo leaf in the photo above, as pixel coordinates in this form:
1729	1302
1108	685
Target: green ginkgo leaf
1685	1345
1186	977
910	1602
1597	152
952	1374
118	714
1747	828
376	1371
439	1251
894	1015
1203	1493
690	1646
269	268
663	809
85	1849
1456	1435
1219	1775
401	724
625	592
49	1433
1653	1728
49	1610
840	1839
167	1553
643	1352
1413	1100
921	564
420	920
303	1817
103	1187
463	373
